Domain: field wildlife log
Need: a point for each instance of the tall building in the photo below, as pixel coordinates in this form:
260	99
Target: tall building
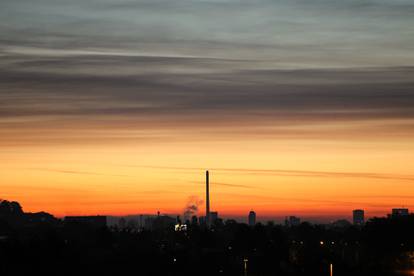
358	217
208	219
252	218
399	212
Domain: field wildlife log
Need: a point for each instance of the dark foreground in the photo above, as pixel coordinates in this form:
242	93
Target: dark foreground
385	246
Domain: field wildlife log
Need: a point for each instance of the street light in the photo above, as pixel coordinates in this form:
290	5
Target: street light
245	260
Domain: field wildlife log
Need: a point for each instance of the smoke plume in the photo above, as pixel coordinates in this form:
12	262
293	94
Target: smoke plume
191	207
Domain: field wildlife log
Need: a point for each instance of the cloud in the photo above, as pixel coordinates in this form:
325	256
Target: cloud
316	33
297	94
231	185
49	107
23	189
78	172
99	71
290	173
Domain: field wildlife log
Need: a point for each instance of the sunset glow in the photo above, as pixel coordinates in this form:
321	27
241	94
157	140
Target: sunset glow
310	176
121	112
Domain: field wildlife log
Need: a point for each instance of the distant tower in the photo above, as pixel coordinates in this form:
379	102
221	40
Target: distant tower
358	217
252	218
207	200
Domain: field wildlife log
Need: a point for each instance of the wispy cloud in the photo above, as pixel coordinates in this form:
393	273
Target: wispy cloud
77	172
265	104
289	173
231	185
299	32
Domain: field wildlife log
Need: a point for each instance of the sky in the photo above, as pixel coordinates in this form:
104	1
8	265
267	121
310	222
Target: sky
299	107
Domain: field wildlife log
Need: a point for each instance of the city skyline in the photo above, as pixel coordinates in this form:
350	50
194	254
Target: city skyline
298	108
194	205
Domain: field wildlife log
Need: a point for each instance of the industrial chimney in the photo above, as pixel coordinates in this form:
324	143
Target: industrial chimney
207	200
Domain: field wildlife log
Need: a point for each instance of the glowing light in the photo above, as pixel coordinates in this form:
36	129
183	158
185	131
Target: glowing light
245	266
180	227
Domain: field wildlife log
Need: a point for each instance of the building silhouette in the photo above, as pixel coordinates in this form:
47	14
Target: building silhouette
213	217
160	222
292	221
252	218
399	212
358	217
88	221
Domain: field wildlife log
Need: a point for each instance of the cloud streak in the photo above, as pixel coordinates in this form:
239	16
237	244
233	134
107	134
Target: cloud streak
290	173
78	172
280	103
231	185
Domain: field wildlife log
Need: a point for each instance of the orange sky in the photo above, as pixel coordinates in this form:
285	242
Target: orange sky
63	172
296	107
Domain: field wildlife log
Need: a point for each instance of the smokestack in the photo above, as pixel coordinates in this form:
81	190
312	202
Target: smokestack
207	200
